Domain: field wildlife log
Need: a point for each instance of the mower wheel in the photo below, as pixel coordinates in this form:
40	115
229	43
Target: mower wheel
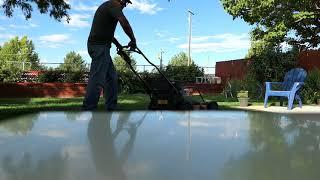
212	106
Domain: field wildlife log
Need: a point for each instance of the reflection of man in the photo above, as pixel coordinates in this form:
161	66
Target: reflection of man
101	138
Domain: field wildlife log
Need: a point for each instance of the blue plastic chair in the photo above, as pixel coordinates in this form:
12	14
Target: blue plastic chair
290	87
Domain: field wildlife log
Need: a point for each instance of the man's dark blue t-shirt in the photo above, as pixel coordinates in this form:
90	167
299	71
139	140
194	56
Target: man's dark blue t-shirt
104	24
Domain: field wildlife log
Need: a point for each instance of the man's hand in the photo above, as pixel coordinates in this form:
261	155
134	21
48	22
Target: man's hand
132	45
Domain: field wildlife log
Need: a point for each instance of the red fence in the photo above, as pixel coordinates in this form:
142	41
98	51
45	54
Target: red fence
69	90
309	60
237	69
206	88
26	90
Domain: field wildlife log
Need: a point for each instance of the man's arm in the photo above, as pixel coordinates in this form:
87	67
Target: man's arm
126	27
128	30
116	42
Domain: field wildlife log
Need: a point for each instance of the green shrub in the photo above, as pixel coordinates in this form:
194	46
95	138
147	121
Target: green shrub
255	88
50	76
56	75
312	85
317	95
183	73
236	86
242	94
3	75
129	83
271	64
74	76
10	74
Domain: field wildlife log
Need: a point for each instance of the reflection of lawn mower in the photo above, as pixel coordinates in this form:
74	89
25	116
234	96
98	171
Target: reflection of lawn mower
164	94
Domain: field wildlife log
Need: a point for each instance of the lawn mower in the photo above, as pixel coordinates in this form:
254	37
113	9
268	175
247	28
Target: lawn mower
164	93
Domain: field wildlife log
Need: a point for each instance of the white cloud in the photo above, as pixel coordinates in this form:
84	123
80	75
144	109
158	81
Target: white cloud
219	128
145	6
53	133
173	39
7	36
31	25
34	25
83	7
55	40
197	124
166	36
3	17
160	34
44	60
78	21
75	151
83	52
218	43
86	116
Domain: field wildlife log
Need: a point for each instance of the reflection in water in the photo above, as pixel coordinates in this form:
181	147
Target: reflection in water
21	124
107	161
72	116
268	146
53	168
282	147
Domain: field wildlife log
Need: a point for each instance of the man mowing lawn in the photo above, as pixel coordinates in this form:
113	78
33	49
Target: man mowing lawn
102	71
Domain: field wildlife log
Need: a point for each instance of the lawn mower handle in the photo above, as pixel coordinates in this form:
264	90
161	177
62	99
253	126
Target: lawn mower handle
164	76
137	50
127	59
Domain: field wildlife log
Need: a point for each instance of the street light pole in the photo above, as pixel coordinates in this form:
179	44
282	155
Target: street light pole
160	57
190	28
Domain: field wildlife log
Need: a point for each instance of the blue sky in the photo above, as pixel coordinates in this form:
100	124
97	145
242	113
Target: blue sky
157	24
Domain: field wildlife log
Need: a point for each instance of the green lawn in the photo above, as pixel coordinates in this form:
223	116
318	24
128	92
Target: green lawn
12	107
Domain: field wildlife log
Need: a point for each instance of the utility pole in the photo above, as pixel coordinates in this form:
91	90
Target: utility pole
190	28
160	58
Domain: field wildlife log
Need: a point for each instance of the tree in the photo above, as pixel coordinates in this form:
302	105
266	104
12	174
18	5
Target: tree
73	62
22	125
180	59
128	82
122	66
20	51
179	70
271	65
72	70
291	21
17	55
56	8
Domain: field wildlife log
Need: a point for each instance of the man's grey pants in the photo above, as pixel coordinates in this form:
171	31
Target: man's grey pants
102	75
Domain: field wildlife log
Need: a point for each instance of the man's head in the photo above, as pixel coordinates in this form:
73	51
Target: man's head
124	3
